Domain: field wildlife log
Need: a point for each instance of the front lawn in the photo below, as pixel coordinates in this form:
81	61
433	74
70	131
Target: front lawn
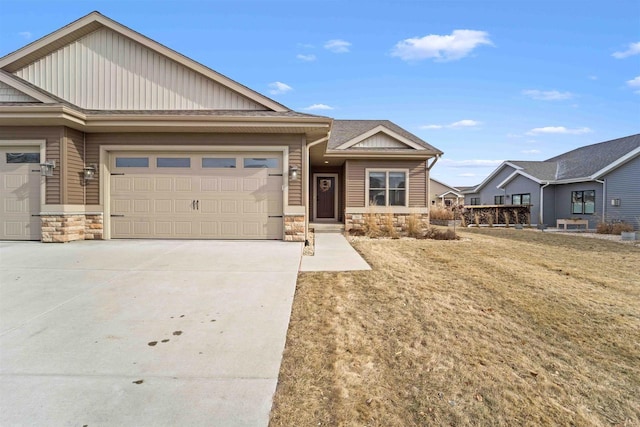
504	327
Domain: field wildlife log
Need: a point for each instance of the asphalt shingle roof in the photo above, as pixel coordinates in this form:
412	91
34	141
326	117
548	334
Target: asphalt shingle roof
345	130
585	161
544	171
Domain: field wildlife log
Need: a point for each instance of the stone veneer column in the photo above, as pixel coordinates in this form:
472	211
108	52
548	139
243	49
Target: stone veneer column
356	221
62	228
294	228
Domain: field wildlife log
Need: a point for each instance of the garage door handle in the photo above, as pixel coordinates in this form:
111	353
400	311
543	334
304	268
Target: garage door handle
193	205
197	205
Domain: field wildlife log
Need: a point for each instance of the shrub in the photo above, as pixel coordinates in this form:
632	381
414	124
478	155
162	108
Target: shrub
613	228
506	218
439	212
414	225
389	227
476	219
371	227
435	234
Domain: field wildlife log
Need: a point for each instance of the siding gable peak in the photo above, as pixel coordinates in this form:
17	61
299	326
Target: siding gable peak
380	137
77	62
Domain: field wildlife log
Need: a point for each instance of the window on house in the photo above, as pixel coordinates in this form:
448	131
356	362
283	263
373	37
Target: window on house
474	201
583	202
387	188
498	200
448	202
521	199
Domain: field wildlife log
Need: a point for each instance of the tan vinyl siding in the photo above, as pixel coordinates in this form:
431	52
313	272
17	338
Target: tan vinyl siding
53	135
74	182
355	172
105	70
10	94
208	141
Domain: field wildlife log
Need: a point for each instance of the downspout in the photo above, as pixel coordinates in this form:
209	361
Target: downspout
305	183
84	161
541	215
604	198
429	166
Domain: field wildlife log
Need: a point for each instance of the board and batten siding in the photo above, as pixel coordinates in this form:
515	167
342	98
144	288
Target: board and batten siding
105	70
10	94
208	143
624	183
355	175
380	140
54	136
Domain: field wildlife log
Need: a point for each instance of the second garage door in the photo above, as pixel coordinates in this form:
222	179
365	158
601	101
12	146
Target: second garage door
196	196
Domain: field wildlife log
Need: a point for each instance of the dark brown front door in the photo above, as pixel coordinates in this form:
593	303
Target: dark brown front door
325	197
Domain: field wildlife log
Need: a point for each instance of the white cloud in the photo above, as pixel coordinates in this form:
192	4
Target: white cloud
455	125
531	151
634	84
319	107
337	46
306	45
559	130
450	47
307	58
593	77
277	88
547	95
634	49
475	163
26	34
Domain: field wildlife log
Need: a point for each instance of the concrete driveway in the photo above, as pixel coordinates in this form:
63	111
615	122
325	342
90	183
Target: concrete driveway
143	333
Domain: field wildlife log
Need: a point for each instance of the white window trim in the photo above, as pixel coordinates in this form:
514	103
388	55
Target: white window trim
367	171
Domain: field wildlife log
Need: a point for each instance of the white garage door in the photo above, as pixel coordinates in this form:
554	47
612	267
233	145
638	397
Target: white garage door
20	193
196	196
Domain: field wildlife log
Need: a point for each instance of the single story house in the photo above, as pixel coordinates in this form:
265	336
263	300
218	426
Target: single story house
105	134
443	194
598	182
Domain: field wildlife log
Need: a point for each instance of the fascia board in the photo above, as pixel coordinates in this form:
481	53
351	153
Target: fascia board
375	130
514	175
4	78
622	160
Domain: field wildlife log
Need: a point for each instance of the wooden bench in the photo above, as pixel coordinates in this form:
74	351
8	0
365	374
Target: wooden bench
566	222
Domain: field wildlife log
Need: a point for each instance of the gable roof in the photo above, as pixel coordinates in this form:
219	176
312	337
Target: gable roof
94	22
345	134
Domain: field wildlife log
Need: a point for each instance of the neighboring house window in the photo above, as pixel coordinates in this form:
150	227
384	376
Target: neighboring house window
498	200
475	201
448	202
583	202
387	188
521	199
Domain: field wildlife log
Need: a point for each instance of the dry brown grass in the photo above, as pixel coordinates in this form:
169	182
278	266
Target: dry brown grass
503	328
440	212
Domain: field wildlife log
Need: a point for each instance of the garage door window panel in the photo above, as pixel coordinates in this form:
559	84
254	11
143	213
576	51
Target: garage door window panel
23	157
173	162
254	162
132	162
218	162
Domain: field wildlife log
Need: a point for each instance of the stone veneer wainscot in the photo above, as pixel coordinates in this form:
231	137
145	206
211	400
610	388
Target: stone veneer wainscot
63	228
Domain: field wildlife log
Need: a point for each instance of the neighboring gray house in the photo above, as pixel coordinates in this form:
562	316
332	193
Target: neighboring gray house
595	182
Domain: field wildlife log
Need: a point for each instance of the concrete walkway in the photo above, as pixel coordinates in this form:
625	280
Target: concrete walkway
333	253
143	333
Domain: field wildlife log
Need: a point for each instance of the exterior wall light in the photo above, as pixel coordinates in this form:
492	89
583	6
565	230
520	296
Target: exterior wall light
89	172
46	168
615	202
293	173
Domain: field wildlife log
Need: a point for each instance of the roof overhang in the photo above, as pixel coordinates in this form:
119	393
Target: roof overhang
62	115
621	161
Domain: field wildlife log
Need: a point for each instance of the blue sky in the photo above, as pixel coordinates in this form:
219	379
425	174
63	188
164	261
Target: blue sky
484	81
